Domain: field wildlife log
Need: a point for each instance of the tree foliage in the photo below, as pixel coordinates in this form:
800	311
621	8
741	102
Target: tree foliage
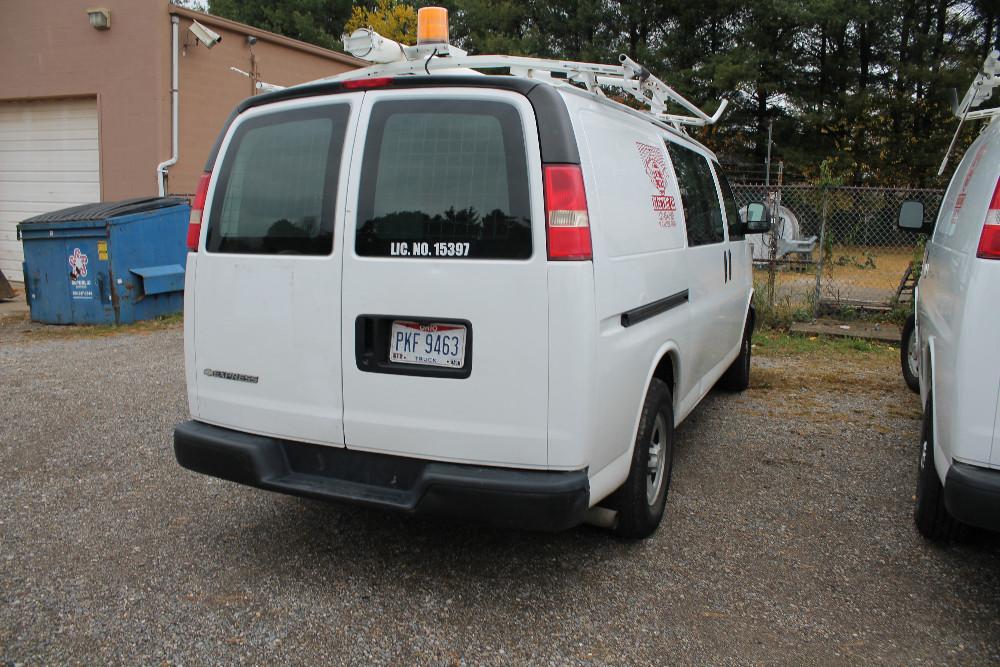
388	18
858	85
318	22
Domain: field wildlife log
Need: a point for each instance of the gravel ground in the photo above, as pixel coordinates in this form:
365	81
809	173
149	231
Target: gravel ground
788	540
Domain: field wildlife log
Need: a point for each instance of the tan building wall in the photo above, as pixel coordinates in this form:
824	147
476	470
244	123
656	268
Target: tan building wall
210	90
49	50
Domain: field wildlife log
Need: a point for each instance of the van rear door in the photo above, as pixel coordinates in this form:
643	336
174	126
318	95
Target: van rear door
267	287
445	325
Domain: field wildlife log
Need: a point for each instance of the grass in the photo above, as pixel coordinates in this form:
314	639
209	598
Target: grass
849	273
796	375
42	331
850	266
769	342
868	267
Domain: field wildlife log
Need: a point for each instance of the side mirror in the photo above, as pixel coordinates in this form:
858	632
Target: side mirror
757	218
911	217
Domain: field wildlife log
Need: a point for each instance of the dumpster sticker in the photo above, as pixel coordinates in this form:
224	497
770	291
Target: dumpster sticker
664	205
82	288
102	251
78	264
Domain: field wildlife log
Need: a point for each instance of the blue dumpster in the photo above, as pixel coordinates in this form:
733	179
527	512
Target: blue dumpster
106	263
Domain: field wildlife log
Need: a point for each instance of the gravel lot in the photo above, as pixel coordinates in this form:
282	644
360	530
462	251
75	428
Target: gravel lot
788	540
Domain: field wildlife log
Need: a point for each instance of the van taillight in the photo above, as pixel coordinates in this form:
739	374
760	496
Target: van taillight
197	207
567	223
989	240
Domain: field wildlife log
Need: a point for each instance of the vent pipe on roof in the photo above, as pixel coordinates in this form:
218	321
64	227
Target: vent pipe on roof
161	169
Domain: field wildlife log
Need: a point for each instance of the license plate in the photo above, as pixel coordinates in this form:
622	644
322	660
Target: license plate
427	344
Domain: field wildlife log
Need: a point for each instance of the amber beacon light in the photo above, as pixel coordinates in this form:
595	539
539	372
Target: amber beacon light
432	25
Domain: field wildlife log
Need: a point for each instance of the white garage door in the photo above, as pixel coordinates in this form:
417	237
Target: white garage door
48	160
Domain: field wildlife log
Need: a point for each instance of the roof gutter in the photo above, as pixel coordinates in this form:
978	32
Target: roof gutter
161	169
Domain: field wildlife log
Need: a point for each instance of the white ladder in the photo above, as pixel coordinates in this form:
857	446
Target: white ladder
980	91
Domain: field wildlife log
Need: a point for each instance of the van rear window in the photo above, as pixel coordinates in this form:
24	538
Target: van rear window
276	193
444	179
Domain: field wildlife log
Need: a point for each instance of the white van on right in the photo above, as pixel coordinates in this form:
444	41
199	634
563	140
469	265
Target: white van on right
958	339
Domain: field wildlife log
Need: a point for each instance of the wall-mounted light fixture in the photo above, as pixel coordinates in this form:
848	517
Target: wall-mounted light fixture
100	18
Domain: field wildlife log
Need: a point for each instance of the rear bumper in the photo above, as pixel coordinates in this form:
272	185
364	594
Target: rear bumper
972	495
534	500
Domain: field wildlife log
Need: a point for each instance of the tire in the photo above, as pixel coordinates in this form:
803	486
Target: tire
929	512
737	376
909	355
642	499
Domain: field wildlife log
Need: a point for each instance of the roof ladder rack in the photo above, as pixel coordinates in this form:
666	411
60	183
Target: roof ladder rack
627	76
980	91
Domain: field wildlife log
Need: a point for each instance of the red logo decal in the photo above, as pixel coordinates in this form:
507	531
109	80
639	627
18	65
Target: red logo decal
657	170
960	201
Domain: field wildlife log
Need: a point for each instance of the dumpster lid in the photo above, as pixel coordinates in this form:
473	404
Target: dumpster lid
105	210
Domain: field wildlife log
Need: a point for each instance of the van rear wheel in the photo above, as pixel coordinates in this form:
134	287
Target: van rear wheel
909	355
930	514
737	376
642	499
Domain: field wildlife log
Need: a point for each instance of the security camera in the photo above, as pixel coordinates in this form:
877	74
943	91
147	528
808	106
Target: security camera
206	36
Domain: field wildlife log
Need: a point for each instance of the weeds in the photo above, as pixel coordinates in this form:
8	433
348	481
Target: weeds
783	313
30	329
775	342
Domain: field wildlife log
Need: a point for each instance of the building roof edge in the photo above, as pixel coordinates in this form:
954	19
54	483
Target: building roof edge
268	36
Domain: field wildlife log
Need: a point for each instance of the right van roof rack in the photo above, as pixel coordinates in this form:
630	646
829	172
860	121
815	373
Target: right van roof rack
980	91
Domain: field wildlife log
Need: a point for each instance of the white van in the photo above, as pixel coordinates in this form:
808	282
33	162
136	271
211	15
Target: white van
483	296
955	341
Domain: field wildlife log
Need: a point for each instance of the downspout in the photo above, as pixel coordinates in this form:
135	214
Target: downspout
161	169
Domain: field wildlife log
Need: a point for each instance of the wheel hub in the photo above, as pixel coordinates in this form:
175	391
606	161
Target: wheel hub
912	357
657	460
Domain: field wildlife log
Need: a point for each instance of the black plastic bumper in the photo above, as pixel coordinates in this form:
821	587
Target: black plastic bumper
972	495
534	500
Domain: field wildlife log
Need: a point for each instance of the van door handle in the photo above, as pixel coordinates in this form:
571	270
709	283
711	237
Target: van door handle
725	267
730	264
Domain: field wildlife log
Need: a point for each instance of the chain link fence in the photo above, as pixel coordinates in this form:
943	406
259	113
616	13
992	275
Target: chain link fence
835	248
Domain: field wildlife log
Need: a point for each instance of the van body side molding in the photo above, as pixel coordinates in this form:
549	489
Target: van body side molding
636	315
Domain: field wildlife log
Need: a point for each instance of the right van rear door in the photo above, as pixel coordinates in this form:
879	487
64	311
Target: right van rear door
445	327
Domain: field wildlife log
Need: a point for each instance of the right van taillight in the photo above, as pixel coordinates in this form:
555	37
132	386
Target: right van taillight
567	223
989	240
197	208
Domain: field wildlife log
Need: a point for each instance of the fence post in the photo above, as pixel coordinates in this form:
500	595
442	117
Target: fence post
822	249
773	254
